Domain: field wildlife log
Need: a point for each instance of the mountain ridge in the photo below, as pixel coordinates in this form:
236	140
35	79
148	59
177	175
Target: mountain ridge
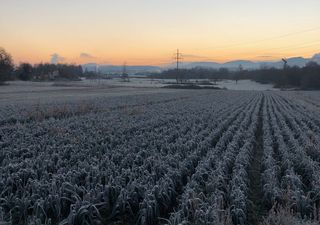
232	65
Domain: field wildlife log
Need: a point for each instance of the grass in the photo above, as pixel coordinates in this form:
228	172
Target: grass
280	215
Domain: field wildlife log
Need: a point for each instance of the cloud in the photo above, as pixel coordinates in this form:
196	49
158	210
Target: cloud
194	56
56	58
85	55
265	56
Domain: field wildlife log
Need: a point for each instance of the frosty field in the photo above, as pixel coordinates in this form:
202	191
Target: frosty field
73	155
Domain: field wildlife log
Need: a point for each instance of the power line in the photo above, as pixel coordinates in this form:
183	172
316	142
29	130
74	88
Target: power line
266	39
304	45
178	55
284	48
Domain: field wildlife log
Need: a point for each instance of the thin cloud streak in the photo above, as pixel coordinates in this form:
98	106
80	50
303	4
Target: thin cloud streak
85	55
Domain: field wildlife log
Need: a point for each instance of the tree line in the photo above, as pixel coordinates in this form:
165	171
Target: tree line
307	77
42	71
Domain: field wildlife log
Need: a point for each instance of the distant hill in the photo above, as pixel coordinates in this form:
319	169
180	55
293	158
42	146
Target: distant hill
91	67
201	64
316	58
246	64
232	65
129	69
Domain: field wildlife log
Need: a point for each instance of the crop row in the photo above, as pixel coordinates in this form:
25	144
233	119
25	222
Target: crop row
102	165
291	173
208	157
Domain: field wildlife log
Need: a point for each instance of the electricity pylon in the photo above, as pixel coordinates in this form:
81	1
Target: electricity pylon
178	57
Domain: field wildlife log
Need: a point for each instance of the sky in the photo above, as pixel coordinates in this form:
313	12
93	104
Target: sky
141	32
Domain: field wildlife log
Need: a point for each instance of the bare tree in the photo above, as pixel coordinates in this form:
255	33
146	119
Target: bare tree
6	65
125	75
25	71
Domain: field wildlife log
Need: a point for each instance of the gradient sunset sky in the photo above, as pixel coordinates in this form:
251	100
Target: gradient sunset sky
149	31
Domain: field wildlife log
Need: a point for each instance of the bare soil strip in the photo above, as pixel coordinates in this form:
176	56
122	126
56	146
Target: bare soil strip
256	208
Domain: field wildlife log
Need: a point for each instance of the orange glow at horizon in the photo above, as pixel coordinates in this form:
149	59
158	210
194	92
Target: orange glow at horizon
148	32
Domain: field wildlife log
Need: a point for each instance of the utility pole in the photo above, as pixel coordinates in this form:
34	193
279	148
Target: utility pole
125	75
285	63
178	57
239	73
285	66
